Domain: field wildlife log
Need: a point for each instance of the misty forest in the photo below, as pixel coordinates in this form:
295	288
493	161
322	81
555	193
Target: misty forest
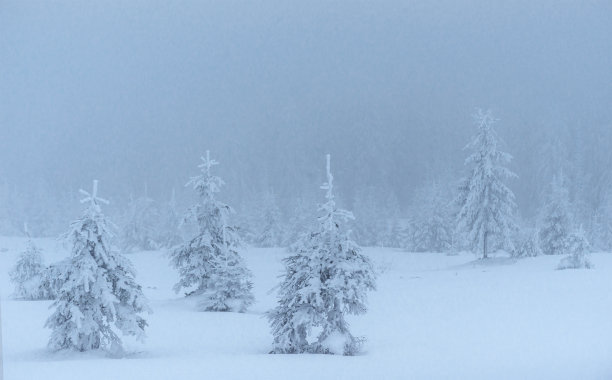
299	190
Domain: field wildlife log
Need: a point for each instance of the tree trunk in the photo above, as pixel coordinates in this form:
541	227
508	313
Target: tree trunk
484	246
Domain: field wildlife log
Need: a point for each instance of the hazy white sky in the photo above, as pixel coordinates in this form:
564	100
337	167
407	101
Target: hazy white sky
134	91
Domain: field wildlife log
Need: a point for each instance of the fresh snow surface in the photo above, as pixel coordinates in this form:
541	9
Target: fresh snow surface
432	317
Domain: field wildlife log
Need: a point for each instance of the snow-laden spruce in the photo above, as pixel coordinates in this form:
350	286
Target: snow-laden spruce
27	275
302	218
528	244
431	222
578	249
54	277
394	234
209	265
272	231
557	219
170	225
372	213
326	278
391	234
140	225
601	230
100	298
486	204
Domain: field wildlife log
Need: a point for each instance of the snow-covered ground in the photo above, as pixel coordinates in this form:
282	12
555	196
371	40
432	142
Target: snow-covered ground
432	317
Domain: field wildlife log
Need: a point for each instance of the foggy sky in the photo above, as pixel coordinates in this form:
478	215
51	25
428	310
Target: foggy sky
133	92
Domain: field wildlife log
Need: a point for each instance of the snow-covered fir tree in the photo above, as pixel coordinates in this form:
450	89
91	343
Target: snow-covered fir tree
377	212
557	219
54	277
528	244
6	210
27	275
246	220
391	235
487	205
394	234
209	265
100	298
602	229
578	249
370	223
325	279
600	226
272	231
431	219
301	220
405	235
170	226
140	225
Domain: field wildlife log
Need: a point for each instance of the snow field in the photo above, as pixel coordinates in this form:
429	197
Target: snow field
433	316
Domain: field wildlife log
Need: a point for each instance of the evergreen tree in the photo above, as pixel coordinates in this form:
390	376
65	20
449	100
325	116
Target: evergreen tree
326	278
370	225
394	236
54	277
432	227
301	220
391	235
577	247
271	233
100	297
601	231
170	228
246	220
28	273
140	225
405	236
6	210
486	203
209	265
528	244
553	156
557	218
